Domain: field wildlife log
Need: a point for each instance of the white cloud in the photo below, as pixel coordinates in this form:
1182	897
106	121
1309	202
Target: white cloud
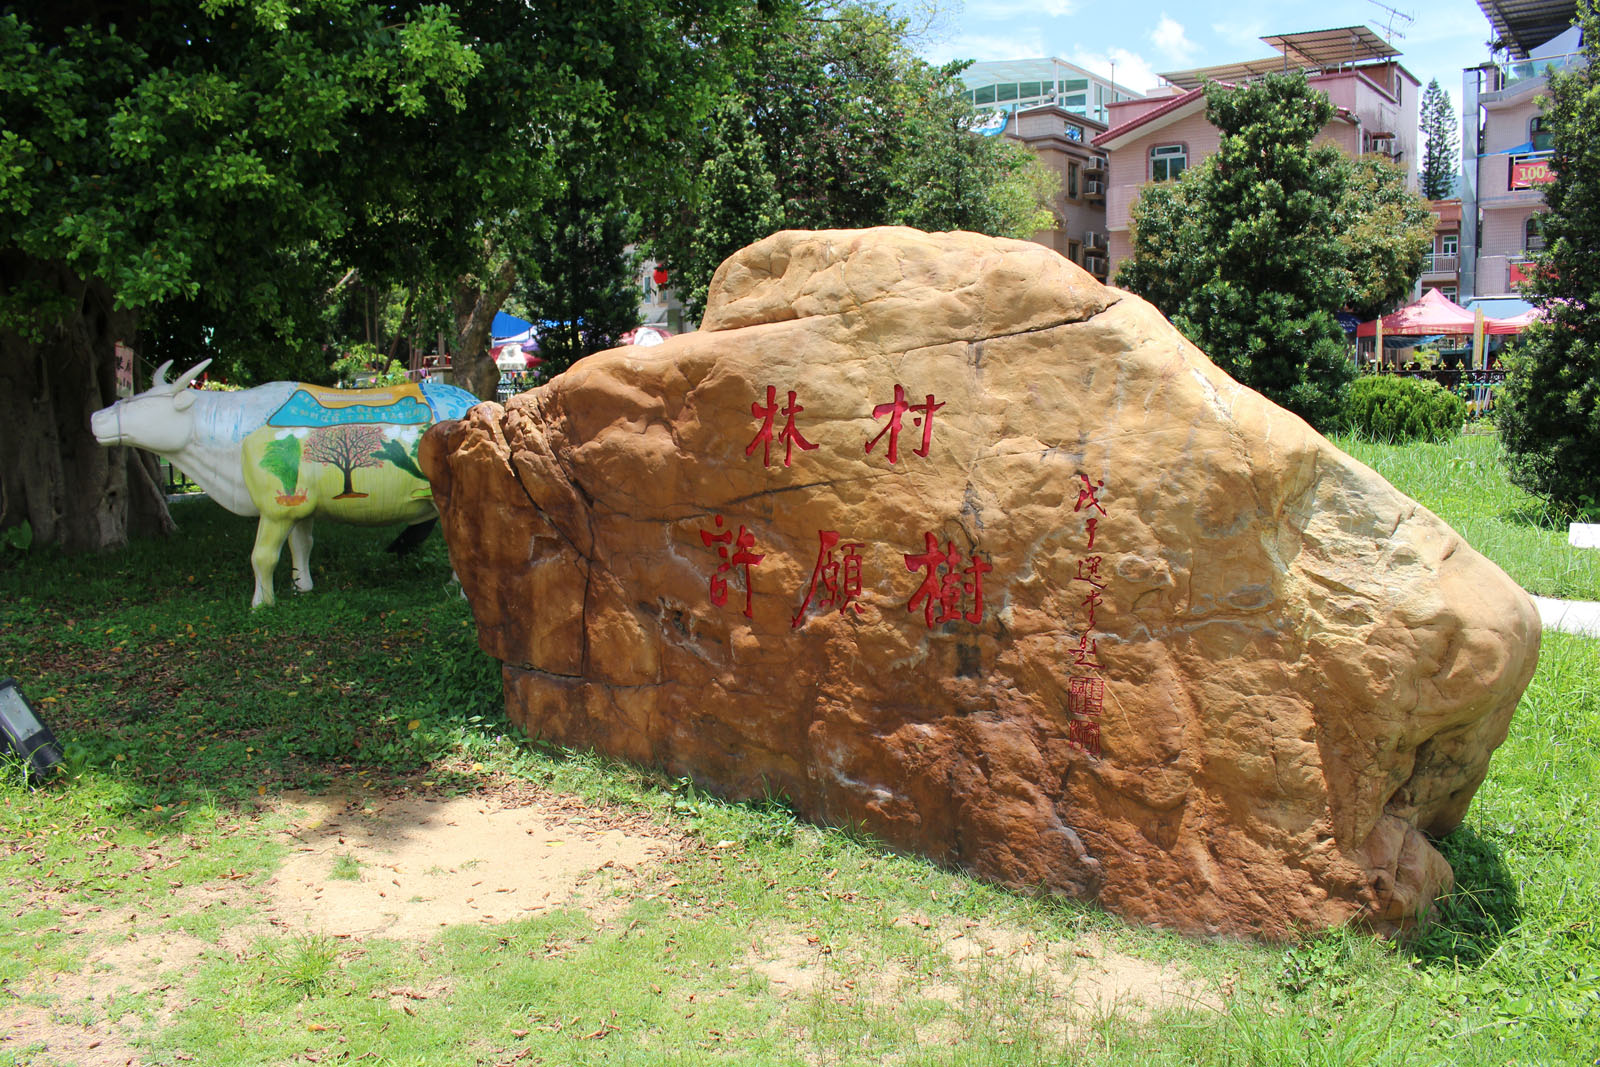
984	47
1242	34
1121	66
1169	37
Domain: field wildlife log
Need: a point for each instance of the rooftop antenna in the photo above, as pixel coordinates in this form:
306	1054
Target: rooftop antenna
1389	32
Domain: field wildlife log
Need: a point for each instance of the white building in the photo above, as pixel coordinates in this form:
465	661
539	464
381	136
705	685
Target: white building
1019	84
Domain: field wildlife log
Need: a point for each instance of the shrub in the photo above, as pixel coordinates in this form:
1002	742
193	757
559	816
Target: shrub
1389	408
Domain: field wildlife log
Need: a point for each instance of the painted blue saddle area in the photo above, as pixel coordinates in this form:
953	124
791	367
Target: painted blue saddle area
447	401
304	408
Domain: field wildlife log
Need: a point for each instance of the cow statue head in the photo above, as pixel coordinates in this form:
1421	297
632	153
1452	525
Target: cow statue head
156	419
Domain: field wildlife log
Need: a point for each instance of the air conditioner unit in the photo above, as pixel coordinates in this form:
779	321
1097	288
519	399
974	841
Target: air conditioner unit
1092	240
1094	264
1094	187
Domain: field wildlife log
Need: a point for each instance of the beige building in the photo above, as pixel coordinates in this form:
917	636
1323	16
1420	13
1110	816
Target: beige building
1062	140
1158	137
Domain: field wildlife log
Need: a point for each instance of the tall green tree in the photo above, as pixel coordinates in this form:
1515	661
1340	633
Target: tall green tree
582	290
1549	416
1441	142
1241	252
833	121
1252	252
201	175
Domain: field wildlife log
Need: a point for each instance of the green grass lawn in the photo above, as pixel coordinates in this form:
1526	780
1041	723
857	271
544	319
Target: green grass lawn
186	717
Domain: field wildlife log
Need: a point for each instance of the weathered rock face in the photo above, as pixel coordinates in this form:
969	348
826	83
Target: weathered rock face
934	534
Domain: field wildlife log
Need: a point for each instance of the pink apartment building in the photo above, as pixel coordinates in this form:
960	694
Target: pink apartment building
1158	137
1504	148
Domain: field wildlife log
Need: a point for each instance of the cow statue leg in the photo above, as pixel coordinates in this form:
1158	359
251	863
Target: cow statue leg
300	554
270	535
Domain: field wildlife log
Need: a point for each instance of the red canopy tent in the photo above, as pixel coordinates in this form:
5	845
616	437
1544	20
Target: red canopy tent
1434	313
1514	324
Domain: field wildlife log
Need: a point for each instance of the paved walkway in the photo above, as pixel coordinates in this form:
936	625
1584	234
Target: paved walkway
1570	616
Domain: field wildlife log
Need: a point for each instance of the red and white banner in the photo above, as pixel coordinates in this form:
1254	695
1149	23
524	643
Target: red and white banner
1526	173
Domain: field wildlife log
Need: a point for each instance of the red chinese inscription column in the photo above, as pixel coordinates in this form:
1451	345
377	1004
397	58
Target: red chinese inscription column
1086	692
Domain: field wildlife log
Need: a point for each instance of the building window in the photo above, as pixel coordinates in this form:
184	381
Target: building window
1449	292
985	95
1449	244
1539	134
1533	234
1074	133
1167	161
1006	92
1072	251
1072	181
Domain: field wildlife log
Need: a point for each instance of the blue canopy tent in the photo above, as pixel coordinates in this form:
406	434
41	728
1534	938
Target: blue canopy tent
508	329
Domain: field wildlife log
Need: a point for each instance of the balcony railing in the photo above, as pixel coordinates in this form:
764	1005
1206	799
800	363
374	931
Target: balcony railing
1528	69
1439	263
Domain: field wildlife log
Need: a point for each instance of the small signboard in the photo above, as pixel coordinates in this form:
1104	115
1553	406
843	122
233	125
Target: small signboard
1527	173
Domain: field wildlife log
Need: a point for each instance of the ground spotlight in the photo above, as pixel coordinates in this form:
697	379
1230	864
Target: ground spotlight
27	736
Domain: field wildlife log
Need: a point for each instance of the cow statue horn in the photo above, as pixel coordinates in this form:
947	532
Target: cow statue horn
190	375
158	380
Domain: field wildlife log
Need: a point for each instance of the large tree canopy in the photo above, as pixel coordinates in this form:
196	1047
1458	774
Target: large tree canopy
834	122
1253	252
207	172
1549	418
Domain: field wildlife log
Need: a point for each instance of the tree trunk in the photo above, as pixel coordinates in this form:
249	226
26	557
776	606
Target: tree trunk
472	368
54	475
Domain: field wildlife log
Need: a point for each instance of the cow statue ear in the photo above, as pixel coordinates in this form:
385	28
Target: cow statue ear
184	400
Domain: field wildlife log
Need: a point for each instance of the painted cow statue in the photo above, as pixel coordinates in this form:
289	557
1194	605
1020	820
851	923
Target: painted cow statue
289	452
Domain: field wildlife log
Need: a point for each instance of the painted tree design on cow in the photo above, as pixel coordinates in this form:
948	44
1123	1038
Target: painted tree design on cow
348	447
281	459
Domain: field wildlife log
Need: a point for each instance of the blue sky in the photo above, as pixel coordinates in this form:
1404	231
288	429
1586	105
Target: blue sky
1142	37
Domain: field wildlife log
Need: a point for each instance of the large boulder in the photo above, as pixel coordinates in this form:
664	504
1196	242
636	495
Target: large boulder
934	535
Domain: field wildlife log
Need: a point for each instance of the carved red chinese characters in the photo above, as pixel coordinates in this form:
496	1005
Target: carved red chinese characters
1086	694
742	556
946	585
895	410
839	578
789	435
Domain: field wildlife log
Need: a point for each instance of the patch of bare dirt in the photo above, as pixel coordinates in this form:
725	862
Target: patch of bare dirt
1083	978
421	864
411	866
91	1021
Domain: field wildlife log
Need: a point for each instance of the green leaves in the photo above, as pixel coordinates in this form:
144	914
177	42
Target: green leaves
1383	407
832	122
